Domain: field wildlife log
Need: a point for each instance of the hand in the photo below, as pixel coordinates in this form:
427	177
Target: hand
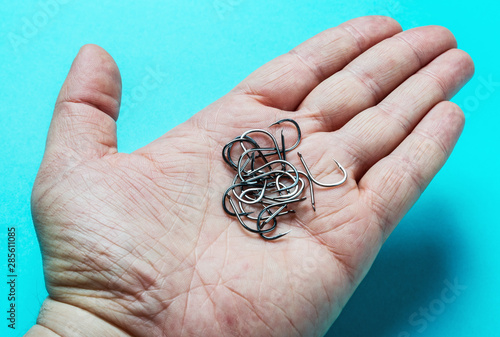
138	244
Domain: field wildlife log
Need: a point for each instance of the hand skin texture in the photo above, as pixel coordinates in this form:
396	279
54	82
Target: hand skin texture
138	244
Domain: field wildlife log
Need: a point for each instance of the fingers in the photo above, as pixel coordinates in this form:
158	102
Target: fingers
377	131
284	82
373	75
83	124
392	185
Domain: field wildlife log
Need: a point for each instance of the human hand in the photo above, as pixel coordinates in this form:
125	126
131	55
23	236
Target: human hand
138	244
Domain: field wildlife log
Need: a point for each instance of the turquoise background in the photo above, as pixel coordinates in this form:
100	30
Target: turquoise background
206	47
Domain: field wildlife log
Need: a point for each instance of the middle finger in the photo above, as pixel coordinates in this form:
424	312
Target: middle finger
371	76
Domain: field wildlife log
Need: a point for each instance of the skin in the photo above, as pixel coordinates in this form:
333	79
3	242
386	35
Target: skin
138	244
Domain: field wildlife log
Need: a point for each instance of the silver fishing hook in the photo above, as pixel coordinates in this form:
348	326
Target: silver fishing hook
340	182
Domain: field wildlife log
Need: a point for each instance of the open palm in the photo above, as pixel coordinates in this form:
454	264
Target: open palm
138	244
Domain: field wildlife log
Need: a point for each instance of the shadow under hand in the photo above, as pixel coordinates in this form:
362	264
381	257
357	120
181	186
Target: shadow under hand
410	272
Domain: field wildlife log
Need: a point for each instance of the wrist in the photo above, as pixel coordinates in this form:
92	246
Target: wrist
57	319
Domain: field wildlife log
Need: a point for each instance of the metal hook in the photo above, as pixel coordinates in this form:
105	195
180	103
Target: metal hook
267	186
299	133
259	230
273	216
340	182
311	190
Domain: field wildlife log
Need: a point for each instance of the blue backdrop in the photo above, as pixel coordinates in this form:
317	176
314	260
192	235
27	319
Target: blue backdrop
448	241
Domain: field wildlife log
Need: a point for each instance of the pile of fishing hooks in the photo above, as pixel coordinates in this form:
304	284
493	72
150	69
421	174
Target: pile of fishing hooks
266	184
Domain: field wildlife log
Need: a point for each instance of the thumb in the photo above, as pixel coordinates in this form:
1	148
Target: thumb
83	125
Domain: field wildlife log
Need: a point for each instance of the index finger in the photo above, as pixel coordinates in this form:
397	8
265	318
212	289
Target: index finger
285	81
